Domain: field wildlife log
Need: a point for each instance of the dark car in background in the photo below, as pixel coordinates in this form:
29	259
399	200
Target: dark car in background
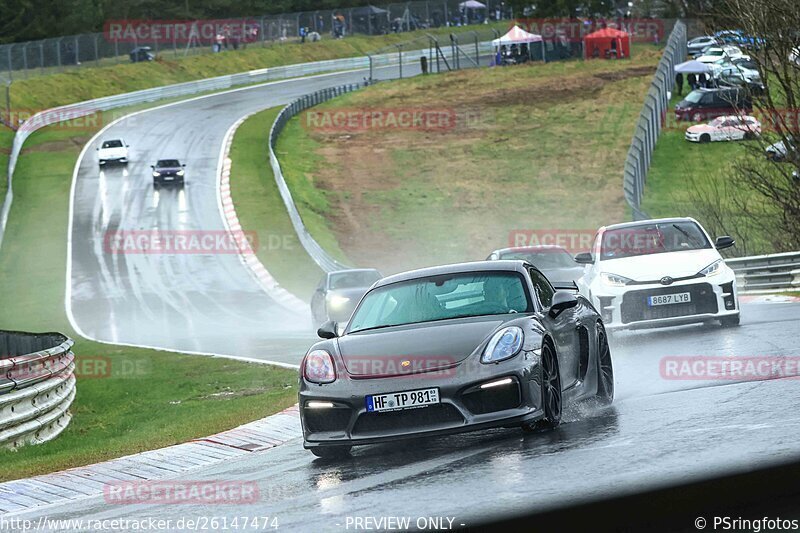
141	53
338	293
168	172
554	262
451	349
706	104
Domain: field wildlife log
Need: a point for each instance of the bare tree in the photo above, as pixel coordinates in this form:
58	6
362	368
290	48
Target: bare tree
766	192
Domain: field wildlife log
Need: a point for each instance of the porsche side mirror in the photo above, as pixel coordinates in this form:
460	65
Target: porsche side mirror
184	165
153	167
584	258
724	242
562	300
328	330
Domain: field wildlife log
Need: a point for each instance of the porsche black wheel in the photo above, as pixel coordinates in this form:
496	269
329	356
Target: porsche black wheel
605	369
332	452
551	389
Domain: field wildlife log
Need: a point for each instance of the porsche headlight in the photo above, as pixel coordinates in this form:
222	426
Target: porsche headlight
713	269
614	280
318	367
504	344
337	302
156	173
180	173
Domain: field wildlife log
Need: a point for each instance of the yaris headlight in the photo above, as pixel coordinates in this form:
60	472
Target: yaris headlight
504	344
614	280
318	367
713	269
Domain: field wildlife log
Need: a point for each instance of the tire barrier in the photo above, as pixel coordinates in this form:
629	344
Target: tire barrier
37	386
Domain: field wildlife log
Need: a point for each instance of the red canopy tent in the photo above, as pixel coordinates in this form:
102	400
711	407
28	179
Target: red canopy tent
607	43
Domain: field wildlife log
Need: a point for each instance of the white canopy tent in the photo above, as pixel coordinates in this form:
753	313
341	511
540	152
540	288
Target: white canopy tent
471	4
517	35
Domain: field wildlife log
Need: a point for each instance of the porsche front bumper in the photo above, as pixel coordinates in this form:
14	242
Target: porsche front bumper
464	404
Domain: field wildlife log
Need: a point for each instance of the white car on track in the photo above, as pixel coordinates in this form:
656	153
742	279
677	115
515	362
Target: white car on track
659	273
729	128
113	151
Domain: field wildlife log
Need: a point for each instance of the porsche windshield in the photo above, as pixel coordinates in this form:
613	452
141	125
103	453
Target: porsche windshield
442	297
652	239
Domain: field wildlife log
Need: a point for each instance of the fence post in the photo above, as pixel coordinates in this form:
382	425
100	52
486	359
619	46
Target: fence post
58	52
77	52
400	55
96	51
25	59
41	56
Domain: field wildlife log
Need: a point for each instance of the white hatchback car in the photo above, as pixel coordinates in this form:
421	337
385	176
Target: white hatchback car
714	54
113	151
659	273
730	128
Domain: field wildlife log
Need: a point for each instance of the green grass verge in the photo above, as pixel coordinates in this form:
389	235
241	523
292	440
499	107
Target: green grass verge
41	92
534	147
260	208
162	398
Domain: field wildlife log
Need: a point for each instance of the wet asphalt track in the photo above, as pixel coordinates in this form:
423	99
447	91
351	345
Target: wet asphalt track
658	430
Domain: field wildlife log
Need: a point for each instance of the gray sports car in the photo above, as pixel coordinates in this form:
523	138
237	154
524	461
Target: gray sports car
451	349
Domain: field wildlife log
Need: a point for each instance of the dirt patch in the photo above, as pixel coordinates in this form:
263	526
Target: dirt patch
58	145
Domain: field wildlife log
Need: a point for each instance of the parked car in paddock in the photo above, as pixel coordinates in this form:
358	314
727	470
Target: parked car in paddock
660	272
782	151
715	53
740	38
112	151
167	172
338	292
698	45
707	104
729	128
450	349
553	261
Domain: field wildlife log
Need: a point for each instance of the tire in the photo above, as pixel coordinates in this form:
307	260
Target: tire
605	368
705	138
332	452
551	389
730	321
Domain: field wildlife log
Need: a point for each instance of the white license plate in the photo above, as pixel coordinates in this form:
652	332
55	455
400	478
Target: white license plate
667	299
402	400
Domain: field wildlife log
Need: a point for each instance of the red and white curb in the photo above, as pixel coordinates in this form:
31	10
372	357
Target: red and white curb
90	481
246	253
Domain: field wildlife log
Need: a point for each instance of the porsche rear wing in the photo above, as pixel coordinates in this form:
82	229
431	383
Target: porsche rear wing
565	286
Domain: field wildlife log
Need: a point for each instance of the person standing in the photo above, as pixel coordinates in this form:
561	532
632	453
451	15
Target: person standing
692	80
679	83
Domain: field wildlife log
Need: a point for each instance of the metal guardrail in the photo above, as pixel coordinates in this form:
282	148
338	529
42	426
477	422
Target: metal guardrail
767	273
651	120
37	386
325	261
